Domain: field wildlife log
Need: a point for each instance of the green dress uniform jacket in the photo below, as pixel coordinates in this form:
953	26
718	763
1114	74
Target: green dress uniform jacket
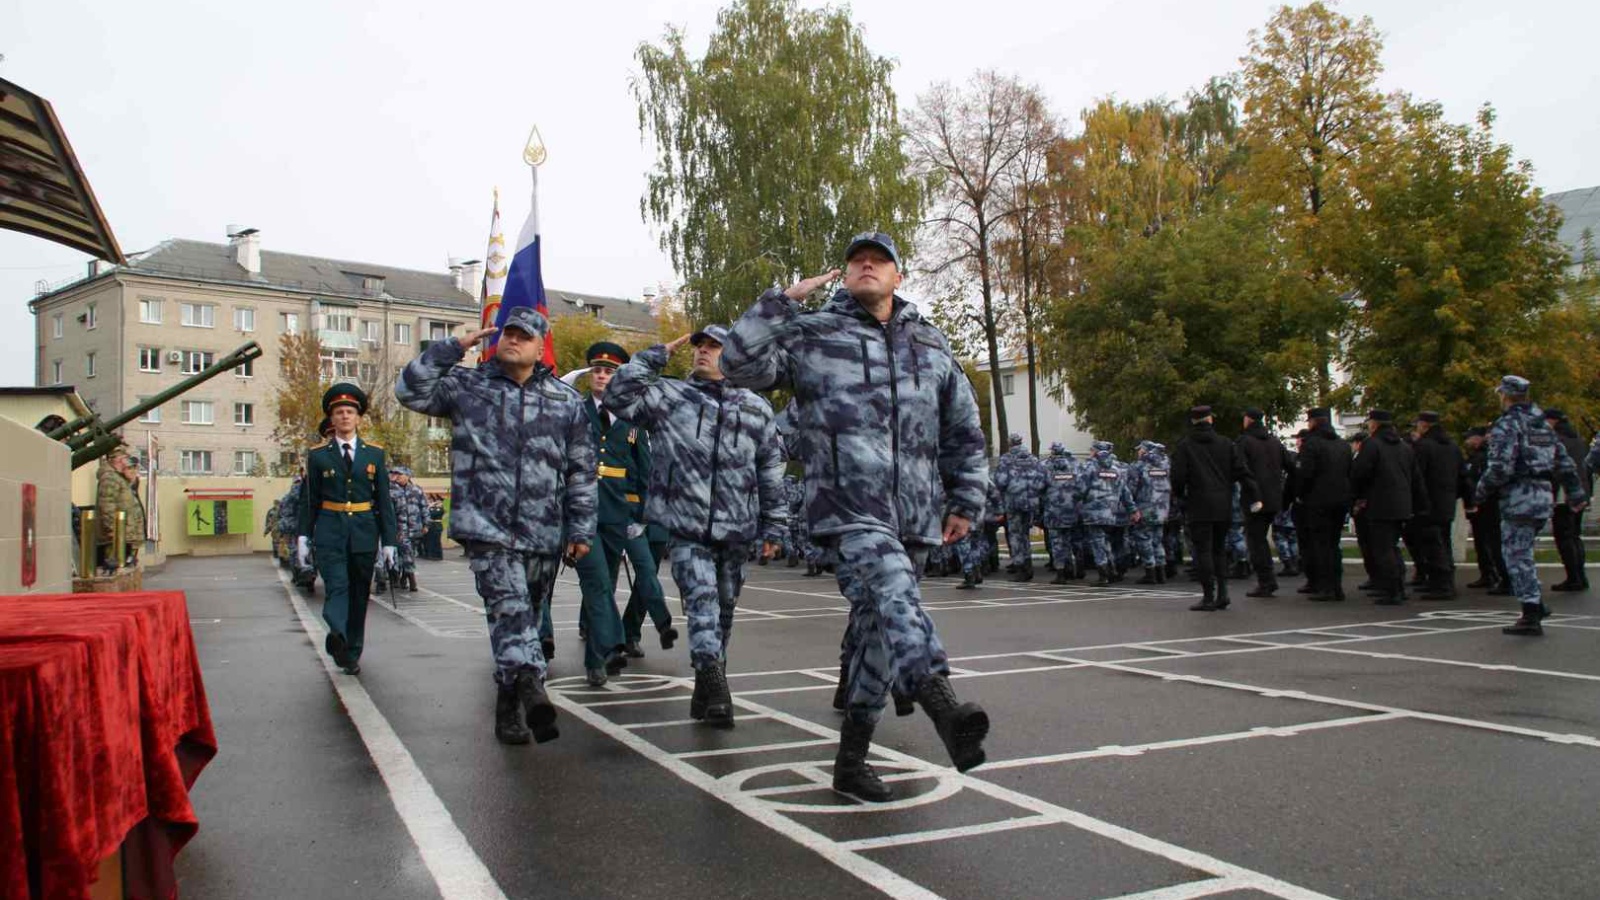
623	452
346	512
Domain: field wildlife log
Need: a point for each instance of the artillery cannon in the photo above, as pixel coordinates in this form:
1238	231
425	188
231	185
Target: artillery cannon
89	437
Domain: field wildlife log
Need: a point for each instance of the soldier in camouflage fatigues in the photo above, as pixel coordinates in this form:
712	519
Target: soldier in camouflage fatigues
522	493
1021	478
1285	538
972	551
894	465
1150	481
117	492
716	486
411	520
1061	512
1238	552
1525	457
1105	499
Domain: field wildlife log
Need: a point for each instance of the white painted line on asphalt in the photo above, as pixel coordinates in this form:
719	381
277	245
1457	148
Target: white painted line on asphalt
1187	890
758	748
941	834
675	723
1487	667
454	865
873	874
1178	743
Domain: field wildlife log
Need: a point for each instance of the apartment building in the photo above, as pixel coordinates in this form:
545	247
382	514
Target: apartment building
125	333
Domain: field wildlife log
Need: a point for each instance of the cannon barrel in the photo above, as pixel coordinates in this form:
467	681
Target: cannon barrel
90	438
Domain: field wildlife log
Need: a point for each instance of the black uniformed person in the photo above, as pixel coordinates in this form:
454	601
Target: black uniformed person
347	511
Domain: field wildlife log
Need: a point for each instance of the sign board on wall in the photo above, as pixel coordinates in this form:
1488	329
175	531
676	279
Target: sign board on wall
213	512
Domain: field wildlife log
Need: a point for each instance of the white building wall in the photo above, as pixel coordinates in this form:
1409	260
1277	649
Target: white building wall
1055	420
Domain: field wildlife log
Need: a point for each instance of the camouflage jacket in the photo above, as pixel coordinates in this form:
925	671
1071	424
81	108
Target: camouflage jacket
1525	457
522	458
893	440
717	475
115	494
1103	492
289	509
410	511
1061	491
1150	481
1022	480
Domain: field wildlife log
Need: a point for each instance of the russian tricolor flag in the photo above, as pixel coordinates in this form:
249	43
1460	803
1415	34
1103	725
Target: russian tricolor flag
525	282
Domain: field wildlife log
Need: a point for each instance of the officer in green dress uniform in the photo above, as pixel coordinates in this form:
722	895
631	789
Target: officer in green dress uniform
623	451
346	513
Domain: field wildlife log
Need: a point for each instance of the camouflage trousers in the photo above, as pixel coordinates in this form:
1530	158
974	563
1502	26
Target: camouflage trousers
1149	543
513	585
406	557
1516	541
971	551
1019	532
1123	549
1100	546
1287	542
1237	552
889	641
709	578
1062	547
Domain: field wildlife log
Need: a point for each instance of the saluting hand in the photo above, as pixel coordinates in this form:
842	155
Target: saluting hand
468	341
802	289
676	343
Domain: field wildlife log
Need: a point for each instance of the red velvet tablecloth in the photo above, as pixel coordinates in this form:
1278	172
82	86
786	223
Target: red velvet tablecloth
103	729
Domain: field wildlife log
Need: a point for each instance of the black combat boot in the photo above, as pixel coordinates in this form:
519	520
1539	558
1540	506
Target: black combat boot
903	705
1529	625
811	570
537	707
969	581
1483	581
1061	577
669	636
616	661
719	703
1208	602
794	560
548	647
852	774
1149	576
697	701
508	727
411	582
839	692
1024	573
962	726
1107	578
632	649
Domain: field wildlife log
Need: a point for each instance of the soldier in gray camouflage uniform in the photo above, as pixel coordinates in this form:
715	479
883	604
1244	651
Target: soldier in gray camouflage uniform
1525	457
1105	499
1021	478
411	514
522	494
894	465
716	485
1150	481
1061	512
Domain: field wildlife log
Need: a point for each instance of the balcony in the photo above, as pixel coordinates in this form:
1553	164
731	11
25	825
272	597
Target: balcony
338	340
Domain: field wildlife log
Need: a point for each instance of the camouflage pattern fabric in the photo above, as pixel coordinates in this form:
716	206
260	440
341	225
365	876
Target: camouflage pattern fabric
1517	538
892	642
1061	489
896	440
114	494
1103	494
1022	479
709	578
717	475
1285	537
513	585
1525	456
522	456
1149	543
1019	536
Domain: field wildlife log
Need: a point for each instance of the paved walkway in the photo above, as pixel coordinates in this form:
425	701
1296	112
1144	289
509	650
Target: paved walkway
1280	748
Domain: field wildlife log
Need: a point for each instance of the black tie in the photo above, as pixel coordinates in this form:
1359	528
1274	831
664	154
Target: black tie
348	462
605	420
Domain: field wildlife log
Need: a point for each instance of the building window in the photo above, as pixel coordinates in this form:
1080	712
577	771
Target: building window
248	370
55	372
337	364
289	323
369	374
372	332
197	412
438	331
150	310
197	361
198	315
244	414
151	416
194	462
244	319
244	462
402	333
91	318
340	321
149	359
88	365
1008	385
56	326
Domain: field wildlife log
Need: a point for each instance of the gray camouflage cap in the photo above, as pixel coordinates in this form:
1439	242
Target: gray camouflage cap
527	320
1513	384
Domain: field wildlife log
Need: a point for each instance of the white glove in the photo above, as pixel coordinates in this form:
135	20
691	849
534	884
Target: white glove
302	550
571	378
634	530
389	556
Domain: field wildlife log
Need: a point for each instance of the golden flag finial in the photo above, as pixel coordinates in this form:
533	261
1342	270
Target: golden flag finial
534	153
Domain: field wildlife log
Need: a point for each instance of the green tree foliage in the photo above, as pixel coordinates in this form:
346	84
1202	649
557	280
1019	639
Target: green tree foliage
771	150
1456	265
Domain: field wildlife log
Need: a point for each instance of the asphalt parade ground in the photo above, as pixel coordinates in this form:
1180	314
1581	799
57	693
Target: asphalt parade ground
1279	748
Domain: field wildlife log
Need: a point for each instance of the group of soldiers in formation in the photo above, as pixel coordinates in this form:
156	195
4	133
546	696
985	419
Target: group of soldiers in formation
885	428
418	524
1529	468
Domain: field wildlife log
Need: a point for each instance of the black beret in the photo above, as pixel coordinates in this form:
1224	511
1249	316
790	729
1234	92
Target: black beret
1196	413
1254	413
1429	416
1319	412
1380	415
344	394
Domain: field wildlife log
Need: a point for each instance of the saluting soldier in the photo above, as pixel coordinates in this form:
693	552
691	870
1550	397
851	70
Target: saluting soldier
347	512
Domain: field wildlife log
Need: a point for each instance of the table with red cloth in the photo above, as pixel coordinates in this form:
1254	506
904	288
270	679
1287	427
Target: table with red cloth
103	729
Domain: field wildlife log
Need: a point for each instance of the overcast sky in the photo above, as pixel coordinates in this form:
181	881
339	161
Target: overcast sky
379	135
